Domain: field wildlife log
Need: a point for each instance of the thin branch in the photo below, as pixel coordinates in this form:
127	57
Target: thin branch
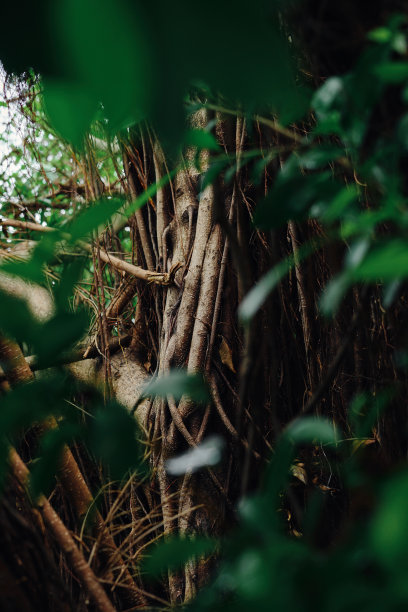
64	539
18	371
159	278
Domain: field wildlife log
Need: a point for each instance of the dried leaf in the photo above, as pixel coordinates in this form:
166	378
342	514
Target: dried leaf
299	472
226	355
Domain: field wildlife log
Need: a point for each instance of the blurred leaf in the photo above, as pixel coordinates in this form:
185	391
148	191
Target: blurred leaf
389	528
32	270
327	96
177	384
291	199
319	157
333	293
202	140
59	334
205	454
380	35
175	552
312	430
64	290
341	202
46	466
357	251
386	262
93	217
115	439
70	108
390	292
210	175
102	43
33	402
256	297
366	409
16	320
392	72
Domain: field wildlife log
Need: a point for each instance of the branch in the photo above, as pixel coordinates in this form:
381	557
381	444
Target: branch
159	278
74	356
36	205
64	539
17	372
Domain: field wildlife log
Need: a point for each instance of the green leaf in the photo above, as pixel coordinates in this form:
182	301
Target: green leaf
389	528
341	203
104	45
115	439
16	320
45	467
392	72
257	296
333	293
381	35
202	140
70	107
211	175
59	334
312	430
33	402
175	552
33	269
386	262
93	217
366	409
319	157
207	453
70	275
292	197
327	96
177	384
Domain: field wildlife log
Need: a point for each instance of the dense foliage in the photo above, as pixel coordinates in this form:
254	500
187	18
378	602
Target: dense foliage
326	526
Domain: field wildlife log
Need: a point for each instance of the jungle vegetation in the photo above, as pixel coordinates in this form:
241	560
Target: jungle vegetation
203	306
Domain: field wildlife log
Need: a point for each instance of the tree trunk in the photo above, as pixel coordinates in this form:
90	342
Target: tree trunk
190	321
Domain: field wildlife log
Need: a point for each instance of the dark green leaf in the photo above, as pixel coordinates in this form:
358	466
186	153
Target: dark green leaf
312	430
256	297
177	384
59	334
175	552
70	108
44	469
291	199
333	293
115	439
16	319
93	217
202	140
387	262
392	72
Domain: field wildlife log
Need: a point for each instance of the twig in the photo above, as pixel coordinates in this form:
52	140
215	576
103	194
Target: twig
333	367
159	278
64	539
71	477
